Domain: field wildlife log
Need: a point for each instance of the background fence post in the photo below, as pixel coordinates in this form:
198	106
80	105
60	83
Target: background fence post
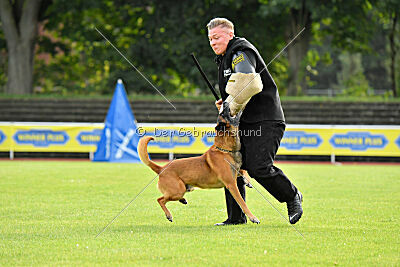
333	158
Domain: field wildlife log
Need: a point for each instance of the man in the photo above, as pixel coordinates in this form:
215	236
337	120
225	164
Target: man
263	111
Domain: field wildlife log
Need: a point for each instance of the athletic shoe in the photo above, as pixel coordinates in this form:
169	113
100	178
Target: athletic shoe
294	208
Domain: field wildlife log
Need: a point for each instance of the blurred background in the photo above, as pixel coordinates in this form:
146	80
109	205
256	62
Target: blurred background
342	70
349	48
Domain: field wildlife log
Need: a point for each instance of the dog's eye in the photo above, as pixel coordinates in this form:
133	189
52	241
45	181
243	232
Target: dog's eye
220	126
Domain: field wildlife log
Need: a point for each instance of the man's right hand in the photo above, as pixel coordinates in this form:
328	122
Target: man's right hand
218	104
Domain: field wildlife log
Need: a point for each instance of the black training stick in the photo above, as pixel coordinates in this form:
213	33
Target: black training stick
204	77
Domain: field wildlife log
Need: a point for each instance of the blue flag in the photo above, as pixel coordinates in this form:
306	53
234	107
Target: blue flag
119	138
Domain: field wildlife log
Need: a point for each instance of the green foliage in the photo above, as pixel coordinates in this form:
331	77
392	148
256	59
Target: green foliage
351	79
387	16
279	71
311	60
356	85
87	64
157	36
345	21
3	61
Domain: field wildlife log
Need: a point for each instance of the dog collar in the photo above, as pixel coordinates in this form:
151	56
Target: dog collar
226	150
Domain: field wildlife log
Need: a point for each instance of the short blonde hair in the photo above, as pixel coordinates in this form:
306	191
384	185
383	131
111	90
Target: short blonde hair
223	22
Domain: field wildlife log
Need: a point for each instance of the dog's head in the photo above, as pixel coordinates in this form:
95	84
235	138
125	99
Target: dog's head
225	121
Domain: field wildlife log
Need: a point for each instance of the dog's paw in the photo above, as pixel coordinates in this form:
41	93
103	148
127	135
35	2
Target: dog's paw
169	218
183	201
255	220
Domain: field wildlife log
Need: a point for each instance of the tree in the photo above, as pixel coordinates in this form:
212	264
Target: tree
300	16
3	56
20	20
393	48
388	16
296	15
343	20
156	36
178	30
80	60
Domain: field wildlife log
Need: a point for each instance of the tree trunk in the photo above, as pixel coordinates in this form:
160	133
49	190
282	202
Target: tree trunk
20	20
297	50
393	51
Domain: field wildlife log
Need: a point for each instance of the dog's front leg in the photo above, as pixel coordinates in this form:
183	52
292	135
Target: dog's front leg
233	189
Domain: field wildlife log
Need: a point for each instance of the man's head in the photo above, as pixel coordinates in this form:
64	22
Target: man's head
220	32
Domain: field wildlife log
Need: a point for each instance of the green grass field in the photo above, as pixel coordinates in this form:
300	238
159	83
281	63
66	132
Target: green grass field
51	212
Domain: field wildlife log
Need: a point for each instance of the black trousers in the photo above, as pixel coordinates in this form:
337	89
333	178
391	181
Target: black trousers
259	143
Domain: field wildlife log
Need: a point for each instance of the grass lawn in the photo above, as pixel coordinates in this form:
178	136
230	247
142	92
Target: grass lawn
51	212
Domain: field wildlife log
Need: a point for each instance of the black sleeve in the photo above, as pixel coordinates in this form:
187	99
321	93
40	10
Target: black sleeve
244	62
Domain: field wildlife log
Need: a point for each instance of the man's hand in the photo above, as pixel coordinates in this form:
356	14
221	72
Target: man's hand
218	104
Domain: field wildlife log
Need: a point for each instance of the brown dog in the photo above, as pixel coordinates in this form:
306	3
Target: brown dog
213	169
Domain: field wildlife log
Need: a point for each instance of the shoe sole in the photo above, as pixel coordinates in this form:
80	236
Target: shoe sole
226	224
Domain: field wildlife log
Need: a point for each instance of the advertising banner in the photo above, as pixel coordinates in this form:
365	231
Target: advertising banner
50	137
337	140
372	141
297	140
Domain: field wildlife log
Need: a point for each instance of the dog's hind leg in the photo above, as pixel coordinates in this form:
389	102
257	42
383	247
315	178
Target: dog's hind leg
189	188
162	202
173	190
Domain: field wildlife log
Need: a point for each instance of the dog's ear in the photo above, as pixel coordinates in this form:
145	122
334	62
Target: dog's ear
224	110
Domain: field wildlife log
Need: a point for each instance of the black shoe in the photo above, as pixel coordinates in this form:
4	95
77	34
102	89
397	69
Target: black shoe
228	222
245	181
249	185
294	208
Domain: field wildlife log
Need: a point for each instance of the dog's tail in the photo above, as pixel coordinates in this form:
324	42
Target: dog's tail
144	156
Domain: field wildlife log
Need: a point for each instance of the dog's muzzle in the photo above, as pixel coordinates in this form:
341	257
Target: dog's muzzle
225	113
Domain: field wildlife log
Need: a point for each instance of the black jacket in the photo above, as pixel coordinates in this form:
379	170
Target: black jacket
264	106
